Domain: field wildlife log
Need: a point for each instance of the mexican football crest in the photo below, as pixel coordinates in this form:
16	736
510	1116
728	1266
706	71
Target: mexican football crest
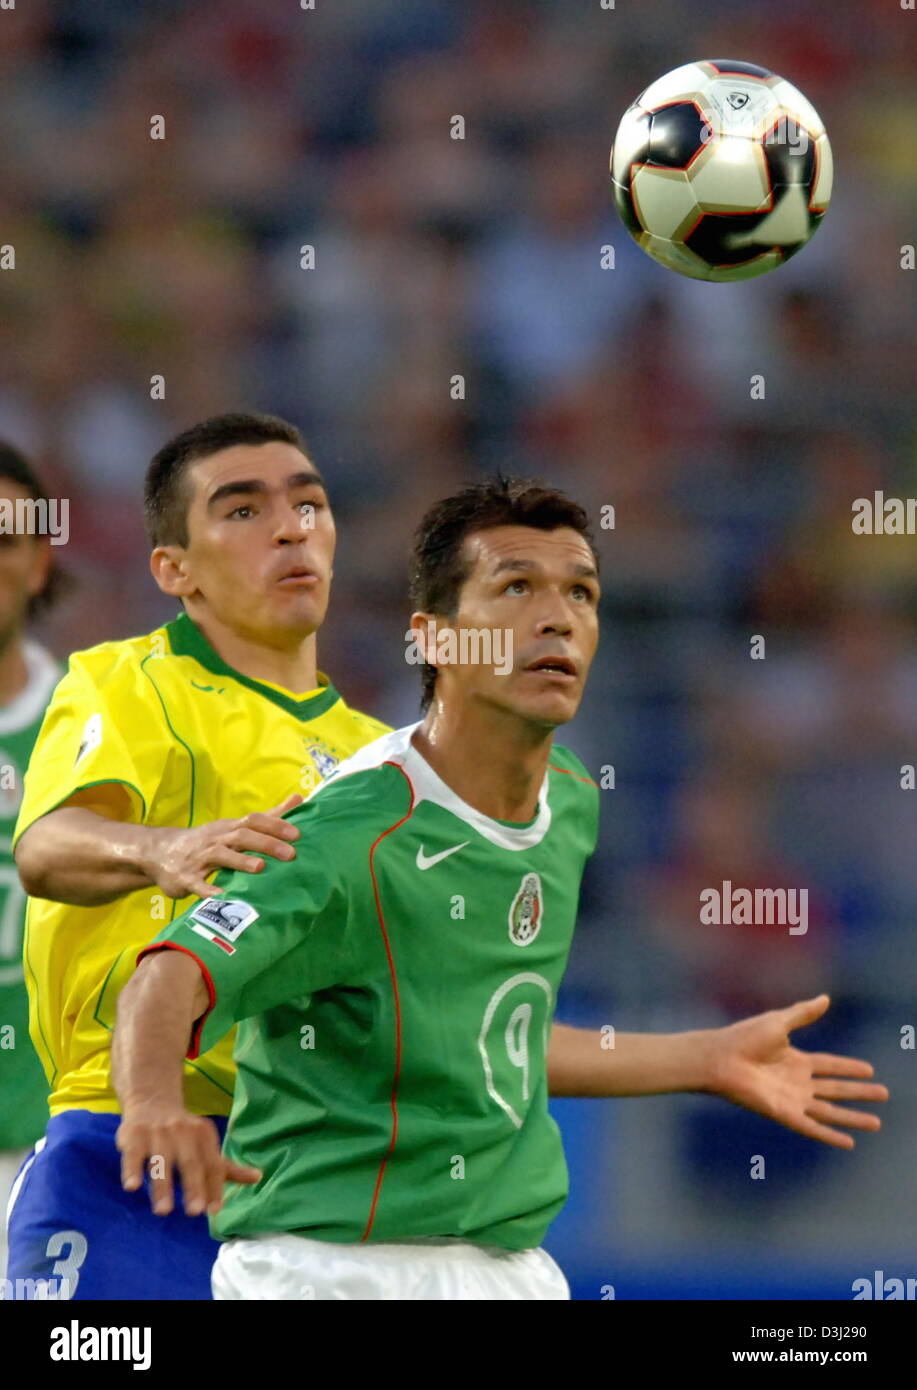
527	911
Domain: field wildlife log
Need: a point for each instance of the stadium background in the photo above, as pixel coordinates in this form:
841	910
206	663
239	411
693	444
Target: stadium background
630	386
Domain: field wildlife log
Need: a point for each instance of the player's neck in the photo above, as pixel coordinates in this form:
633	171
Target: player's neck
14	670
290	665
493	760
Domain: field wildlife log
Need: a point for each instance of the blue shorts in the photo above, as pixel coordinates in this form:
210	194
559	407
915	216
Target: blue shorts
71	1220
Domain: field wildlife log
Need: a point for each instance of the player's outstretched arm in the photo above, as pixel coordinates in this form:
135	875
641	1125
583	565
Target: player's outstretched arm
157	1010
87	852
751	1063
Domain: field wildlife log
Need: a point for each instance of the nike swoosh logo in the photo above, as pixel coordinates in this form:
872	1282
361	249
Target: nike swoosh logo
424	862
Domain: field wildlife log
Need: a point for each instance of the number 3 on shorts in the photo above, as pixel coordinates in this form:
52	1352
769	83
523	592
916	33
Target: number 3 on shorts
67	1270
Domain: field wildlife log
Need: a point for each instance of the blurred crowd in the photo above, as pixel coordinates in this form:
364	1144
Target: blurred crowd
480	257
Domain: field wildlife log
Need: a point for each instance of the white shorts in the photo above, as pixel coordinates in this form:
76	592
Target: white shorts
274	1267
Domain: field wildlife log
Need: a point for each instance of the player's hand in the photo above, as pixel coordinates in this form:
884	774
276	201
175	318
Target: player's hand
180	860
175	1143
754	1065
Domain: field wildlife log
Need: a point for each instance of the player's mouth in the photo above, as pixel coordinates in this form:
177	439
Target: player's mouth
299	576
560	668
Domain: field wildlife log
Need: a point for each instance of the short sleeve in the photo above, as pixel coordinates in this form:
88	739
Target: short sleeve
269	937
101	726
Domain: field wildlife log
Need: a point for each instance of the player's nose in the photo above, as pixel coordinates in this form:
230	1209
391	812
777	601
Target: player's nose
292	525
556	620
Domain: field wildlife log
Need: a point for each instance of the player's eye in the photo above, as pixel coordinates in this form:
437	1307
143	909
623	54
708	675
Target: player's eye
245	507
519	585
582	593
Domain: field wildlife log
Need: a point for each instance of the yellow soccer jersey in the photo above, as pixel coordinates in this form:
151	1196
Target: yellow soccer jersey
193	741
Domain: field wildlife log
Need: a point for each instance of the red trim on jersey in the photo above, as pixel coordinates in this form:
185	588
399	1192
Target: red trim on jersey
567	773
194	1049
391	966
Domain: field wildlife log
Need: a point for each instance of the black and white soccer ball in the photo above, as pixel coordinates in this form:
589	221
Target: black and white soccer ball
721	170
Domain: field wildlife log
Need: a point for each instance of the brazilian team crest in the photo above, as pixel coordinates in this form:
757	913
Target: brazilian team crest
527	911
324	761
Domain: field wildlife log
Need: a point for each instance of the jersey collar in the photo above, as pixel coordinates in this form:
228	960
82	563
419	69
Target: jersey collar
429	786
186	639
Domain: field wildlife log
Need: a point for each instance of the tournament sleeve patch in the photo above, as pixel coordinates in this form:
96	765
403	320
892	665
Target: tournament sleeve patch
228	917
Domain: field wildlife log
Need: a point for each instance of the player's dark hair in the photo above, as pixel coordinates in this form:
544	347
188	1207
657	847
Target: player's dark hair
16	468
165	496
439	563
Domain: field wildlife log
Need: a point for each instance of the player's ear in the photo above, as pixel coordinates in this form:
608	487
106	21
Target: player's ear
168	566
423	632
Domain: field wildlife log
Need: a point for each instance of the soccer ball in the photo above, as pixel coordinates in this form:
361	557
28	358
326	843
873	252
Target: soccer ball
721	170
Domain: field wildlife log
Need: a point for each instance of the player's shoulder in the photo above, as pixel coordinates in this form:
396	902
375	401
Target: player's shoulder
364	726
575	794
352	728
367	792
563	763
116	665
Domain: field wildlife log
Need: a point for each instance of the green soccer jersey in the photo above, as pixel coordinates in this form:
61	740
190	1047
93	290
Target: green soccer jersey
395	986
23	1088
